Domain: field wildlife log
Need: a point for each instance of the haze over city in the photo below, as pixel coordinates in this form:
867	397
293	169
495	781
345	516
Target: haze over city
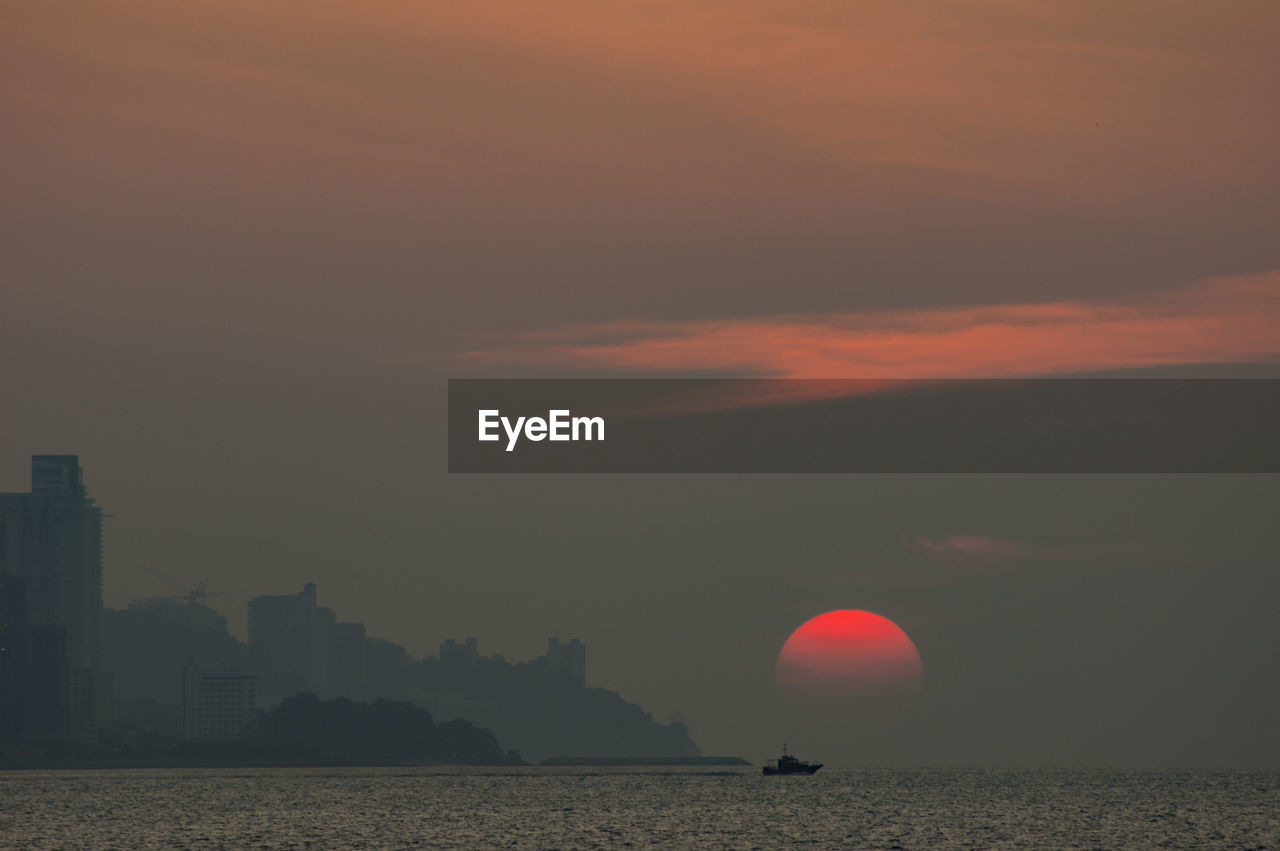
245	245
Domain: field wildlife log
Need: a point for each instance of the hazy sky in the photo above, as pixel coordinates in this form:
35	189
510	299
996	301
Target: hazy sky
243	244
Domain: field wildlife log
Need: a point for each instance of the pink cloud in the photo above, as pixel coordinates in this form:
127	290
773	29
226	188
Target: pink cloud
987	549
980	547
952	560
1227	320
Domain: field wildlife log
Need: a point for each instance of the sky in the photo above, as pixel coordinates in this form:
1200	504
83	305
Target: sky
245	244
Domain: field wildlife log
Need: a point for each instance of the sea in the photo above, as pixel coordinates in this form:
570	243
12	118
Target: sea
434	807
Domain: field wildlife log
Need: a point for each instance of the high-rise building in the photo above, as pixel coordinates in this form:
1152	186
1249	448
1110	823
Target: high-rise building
568	658
217	707
301	647
34	678
284	635
346	655
321	632
52	538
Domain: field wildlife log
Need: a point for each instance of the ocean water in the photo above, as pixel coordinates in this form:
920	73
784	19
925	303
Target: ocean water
432	807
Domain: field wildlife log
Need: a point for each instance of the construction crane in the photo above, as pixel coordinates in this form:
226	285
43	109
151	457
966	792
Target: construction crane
192	596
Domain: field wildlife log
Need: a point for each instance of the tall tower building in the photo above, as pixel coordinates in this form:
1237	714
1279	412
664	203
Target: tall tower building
52	538
289	636
299	646
568	658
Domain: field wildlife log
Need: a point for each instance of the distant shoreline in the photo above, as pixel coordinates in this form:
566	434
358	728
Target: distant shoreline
572	761
47	764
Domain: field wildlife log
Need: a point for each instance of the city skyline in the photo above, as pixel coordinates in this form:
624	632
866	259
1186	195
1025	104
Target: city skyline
78	677
954	565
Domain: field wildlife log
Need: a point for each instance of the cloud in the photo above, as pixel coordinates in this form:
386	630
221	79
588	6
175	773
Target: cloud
987	550
981	547
1224	320
952	561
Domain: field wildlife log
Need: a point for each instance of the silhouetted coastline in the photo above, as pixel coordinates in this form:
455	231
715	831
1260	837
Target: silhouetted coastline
535	707
672	761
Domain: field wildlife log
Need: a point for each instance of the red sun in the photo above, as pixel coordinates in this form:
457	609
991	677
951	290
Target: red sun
852	664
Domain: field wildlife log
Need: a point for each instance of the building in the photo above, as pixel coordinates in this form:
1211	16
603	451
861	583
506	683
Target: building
346	655
92	704
301	647
51	539
467	652
34	675
288	636
217	707
568	659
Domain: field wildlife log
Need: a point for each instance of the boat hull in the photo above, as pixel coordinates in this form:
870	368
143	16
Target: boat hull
771	770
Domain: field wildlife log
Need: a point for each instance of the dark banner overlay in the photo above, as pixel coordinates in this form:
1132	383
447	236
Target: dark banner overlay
875	426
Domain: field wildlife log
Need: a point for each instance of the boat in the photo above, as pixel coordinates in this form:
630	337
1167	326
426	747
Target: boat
787	764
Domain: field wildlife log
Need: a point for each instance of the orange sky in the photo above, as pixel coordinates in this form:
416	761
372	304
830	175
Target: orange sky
388	173
1093	103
